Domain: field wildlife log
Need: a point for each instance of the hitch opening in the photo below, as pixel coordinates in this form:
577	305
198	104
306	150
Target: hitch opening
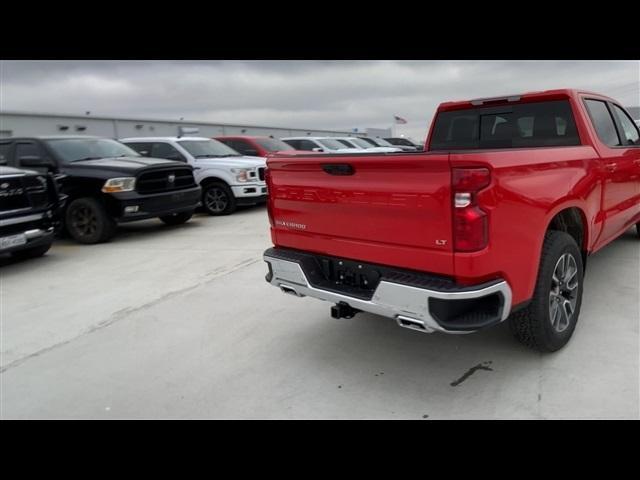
343	310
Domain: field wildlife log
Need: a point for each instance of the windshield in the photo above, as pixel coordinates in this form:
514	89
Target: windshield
331	144
73	149
381	142
400	141
370	141
272	144
208	148
361	143
346	143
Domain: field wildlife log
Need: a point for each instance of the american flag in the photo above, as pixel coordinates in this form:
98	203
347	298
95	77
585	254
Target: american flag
399	120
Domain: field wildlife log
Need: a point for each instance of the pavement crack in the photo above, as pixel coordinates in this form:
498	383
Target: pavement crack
125	312
471	371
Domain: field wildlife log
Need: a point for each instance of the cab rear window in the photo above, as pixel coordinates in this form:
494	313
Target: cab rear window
524	125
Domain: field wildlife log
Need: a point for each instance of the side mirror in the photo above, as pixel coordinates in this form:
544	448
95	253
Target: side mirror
34	161
176	158
317	149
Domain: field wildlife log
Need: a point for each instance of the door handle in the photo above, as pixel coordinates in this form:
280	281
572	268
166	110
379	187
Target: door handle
338	169
611	166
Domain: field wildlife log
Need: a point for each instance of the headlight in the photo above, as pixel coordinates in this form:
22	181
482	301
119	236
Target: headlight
124	184
244	174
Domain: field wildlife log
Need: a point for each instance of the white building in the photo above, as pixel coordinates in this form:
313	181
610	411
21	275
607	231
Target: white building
15	124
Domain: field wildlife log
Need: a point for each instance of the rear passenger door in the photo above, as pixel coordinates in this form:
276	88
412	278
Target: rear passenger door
618	161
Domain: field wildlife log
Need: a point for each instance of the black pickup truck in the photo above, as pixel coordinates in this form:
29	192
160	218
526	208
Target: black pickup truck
106	182
30	206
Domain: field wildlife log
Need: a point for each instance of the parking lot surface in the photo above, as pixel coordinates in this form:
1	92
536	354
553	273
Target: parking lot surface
178	322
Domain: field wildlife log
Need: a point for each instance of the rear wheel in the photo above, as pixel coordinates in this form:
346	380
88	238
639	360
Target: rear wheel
87	221
32	252
548	322
177	218
218	199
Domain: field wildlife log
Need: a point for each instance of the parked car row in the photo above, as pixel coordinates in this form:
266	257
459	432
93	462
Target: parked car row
227	178
264	146
84	186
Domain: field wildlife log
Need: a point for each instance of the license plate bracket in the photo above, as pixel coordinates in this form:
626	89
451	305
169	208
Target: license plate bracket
13	241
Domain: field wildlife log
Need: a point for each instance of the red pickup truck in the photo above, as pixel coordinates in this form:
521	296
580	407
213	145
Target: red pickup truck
495	220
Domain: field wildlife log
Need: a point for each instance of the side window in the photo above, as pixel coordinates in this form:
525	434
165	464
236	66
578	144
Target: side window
143	149
308	145
294	143
603	123
25	149
629	129
164	150
241	146
4	152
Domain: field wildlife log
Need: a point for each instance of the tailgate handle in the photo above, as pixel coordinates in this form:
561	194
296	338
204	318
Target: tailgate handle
338	169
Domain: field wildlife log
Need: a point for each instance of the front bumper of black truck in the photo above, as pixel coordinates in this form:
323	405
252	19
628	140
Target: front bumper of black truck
22	232
416	300
132	206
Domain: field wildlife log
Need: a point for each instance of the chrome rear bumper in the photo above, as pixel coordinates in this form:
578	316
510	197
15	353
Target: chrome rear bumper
411	306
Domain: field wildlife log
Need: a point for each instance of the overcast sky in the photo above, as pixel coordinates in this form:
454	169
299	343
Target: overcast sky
306	94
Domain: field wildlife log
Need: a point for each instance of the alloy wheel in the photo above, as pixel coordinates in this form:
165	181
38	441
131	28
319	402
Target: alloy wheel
563	296
84	221
216	199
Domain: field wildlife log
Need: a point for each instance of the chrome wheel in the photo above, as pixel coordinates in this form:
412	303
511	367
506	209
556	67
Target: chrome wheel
563	296
216	199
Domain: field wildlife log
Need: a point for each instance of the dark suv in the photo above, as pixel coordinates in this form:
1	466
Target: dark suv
107	182
29	212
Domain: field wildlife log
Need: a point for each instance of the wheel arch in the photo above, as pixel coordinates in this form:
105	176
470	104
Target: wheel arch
213	179
572	220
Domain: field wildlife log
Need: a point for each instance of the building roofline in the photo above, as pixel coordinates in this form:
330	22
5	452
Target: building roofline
157	120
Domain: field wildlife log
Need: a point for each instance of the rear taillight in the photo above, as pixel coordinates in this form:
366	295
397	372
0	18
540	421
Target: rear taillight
470	222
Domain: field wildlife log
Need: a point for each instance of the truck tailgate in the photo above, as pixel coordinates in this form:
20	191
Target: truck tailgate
386	209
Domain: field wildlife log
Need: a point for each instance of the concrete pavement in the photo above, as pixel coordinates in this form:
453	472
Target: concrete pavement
178	322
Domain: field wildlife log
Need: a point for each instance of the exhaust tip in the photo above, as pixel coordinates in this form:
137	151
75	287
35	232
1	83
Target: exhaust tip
290	290
413	324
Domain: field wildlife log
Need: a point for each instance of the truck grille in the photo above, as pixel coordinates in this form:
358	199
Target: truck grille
261	173
23	192
158	181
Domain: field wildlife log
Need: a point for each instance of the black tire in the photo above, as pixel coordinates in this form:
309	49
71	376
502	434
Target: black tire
638	229
87	221
33	252
177	218
541	326
218	199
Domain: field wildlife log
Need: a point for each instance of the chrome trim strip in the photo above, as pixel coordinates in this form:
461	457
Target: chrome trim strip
392	300
38	232
14	221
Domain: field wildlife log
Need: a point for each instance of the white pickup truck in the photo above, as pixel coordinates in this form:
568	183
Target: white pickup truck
227	178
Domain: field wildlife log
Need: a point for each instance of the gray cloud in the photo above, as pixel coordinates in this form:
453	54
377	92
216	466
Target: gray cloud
311	94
